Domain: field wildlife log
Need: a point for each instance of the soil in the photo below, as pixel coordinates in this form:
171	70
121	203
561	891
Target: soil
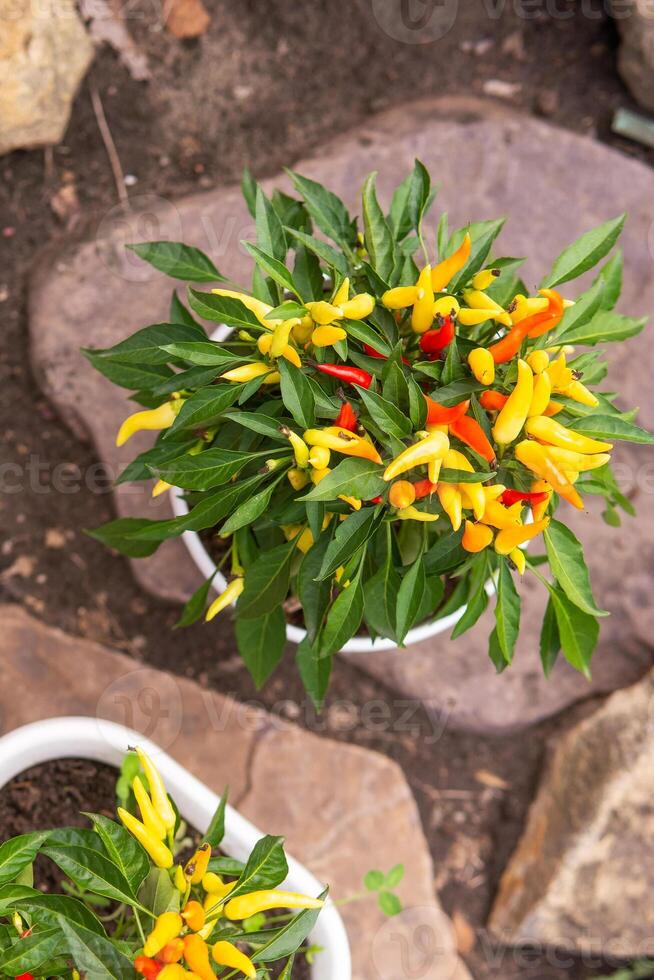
53	795
267	84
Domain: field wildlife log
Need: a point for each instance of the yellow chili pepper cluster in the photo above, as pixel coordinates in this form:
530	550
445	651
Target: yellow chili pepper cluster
425	297
158	819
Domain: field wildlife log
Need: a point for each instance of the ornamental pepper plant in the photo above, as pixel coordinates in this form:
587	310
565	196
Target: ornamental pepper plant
385	426
132	905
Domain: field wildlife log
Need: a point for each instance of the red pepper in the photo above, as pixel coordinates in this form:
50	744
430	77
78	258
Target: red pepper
346	372
469	431
493	401
440	415
434	341
346	418
510	497
375	500
148	968
371	352
24	976
424	488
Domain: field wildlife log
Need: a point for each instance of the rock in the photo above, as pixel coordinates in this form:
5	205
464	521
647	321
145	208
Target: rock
100	293
580	877
44	54
342	809
636	57
187	18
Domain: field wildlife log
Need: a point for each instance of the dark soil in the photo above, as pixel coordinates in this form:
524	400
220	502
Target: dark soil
53	795
268	83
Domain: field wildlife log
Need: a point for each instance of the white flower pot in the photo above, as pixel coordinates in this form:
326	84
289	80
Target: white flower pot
294	634
105	741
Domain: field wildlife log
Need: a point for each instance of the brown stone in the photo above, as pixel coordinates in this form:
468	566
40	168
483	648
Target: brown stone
342	809
636	58
580	877
489	161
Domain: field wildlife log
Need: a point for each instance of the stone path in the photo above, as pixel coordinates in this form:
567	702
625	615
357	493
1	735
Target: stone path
581	876
343	809
490	162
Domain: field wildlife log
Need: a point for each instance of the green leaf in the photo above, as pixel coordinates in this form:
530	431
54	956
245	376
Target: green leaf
409	598
216	830
448	475
326	209
178	261
145	347
134	377
585	252
313	593
612	427
265	425
17	852
297	393
475	608
578	631
378	235
205	407
288	310
344	617
354	477
576	317
507	611
315	671
420	197
350	535
81	855
31	953
158	893
126	853
47	908
196	606
96	957
385	414
390	904
611	274
278	943
222	309
266	583
249	191
211	468
362	331
605	327
496	653
456	392
399	217
273	268
205	353
249	511
324	251
483	234
271	237
566	558
394	876
261	643
374	880
266	867
307	273
446	554
550	641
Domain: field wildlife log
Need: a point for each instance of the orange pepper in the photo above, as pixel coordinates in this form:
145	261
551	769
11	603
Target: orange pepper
440	415
469	431
493	401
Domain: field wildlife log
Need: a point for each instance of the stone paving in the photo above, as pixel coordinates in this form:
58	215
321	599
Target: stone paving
280	777
490	161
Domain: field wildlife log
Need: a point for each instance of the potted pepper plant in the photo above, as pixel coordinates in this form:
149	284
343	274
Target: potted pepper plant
377	430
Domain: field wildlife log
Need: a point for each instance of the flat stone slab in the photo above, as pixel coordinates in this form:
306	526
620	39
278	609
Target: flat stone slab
581	877
342	809
490	161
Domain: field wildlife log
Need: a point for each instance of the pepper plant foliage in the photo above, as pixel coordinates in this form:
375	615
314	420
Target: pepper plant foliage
131	905
388	421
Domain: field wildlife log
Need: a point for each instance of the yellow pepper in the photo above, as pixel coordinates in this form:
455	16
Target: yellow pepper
167	927
247	372
524	306
172	971
303	330
158	794
455	460
494	491
320	457
446	306
512	537
444	272
552	432
580	393
160	487
400	297
536	458
501	517
226	598
473	317
172	951
196	954
482	365
539	510
343	441
541	396
451	503
298	478
324	313
433	446
412	513
478	300
476	537
193	915
179	879
196	868
566	459
359	307
226	954
153	419
265	343
300	448
327	336
402	494
422	316
149	815
485	278
512	417
538	361
517	556
247	905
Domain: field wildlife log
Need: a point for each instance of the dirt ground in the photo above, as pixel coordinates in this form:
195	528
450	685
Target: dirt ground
264	86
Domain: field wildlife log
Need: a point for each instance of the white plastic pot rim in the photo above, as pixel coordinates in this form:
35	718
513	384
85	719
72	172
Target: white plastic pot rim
106	741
